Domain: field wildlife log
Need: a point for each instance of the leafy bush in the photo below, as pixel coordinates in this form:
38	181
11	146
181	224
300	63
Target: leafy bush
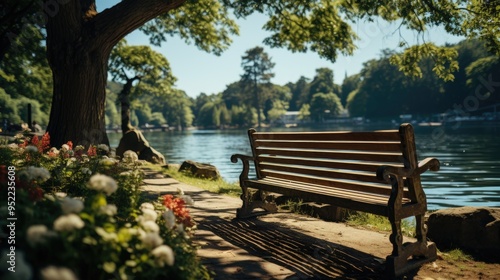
78	214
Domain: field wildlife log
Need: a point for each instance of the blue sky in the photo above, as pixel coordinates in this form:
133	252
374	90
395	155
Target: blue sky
198	71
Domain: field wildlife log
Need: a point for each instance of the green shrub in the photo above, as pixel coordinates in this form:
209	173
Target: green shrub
78	213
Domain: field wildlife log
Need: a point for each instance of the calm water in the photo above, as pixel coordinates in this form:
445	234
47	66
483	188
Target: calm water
470	159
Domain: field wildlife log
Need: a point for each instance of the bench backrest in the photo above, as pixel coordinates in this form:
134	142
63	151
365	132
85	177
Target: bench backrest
335	159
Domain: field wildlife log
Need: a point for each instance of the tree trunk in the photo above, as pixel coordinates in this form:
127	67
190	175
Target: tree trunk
257	103
79	42
78	103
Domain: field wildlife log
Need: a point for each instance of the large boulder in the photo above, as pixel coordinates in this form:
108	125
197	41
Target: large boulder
134	140
201	170
475	230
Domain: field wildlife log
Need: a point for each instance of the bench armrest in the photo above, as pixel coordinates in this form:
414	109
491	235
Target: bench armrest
246	165
383	172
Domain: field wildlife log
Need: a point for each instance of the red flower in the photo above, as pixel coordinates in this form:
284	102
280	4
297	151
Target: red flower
92	151
178	206
70	144
45	143
24	144
42	145
34	140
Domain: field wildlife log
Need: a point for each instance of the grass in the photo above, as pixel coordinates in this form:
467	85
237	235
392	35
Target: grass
216	186
379	223
456	255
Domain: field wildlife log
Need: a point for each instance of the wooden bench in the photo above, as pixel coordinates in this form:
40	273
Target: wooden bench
375	172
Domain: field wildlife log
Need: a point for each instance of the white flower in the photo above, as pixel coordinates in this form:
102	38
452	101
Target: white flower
148	215
53	151
130	156
38	234
147	205
12	146
164	255
169	217
103	147
106	236
86	171
65	147
102	183
79	148
150	226
180	191
151	240
109	209
187	199
71	205
31	149
39	174
106	161
58	273
71	161
68	222
126	173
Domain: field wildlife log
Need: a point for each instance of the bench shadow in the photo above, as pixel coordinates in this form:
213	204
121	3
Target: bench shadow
307	257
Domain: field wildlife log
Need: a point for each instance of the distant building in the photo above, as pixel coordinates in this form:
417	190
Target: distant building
290	118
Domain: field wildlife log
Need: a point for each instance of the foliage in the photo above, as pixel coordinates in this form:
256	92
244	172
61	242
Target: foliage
216	186
348	85
482	77
305	112
456	255
299	91
277	110
204	22
381	223
325	106
257	67
72	203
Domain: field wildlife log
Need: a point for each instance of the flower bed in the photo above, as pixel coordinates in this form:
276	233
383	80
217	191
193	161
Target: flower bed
78	214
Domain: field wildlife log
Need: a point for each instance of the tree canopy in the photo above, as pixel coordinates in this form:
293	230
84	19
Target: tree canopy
80	39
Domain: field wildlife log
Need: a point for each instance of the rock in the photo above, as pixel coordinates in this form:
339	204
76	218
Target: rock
134	140
475	230
201	170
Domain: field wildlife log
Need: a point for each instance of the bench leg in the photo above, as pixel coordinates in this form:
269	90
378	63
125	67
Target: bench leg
411	255
251	202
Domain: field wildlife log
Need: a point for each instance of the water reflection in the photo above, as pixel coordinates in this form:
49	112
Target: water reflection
470	163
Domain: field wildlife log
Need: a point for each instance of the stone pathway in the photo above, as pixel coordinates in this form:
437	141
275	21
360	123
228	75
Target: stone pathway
275	246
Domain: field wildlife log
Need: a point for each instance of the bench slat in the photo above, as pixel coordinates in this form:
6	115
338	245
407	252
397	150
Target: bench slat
373	188
324	154
365	196
349	165
328	173
382	146
338	197
382	135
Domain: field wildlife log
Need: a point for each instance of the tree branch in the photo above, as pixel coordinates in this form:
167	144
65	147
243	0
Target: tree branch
113	24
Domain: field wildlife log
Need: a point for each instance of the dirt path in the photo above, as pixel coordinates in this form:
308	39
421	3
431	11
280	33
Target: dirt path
291	246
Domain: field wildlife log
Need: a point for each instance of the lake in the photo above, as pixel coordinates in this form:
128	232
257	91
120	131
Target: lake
469	156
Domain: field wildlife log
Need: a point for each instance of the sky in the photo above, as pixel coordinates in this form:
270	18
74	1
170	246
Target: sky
197	71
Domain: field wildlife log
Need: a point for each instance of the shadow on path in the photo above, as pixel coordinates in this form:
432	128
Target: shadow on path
306	256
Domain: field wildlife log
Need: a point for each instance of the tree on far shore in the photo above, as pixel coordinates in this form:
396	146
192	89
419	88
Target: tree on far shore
257	67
